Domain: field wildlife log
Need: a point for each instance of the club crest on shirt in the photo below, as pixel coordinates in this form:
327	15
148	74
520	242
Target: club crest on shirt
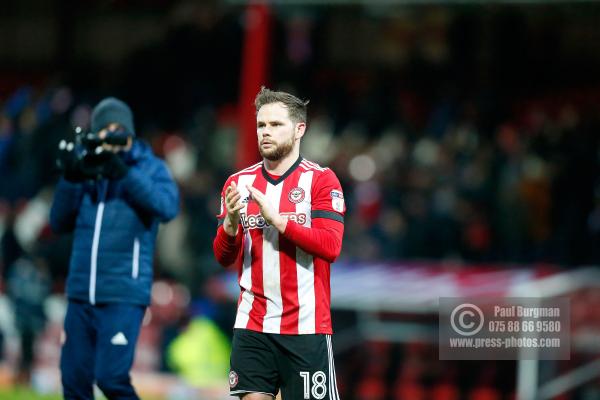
337	200
296	195
233	379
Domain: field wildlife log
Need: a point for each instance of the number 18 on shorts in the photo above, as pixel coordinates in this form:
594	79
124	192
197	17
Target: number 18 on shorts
301	366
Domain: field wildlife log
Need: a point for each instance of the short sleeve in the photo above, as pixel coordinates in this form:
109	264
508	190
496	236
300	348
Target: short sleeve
328	197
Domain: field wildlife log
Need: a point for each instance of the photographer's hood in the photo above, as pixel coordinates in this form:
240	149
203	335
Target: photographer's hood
112	110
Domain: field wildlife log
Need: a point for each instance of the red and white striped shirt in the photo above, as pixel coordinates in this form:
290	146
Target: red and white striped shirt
284	278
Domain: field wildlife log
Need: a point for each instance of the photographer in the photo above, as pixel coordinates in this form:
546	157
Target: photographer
113	196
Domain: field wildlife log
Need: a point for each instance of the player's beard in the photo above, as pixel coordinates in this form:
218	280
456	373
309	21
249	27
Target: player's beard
278	150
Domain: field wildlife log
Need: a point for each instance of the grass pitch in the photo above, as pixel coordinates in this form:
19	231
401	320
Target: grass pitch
23	393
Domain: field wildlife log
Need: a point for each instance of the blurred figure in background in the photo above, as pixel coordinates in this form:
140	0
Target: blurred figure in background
113	194
28	284
199	353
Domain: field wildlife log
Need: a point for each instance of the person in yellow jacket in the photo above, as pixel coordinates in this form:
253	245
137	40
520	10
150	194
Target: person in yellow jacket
200	354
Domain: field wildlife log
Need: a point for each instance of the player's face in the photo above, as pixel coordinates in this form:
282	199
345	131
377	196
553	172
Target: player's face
275	130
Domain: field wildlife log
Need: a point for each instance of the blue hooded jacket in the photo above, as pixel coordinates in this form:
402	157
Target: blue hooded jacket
115	225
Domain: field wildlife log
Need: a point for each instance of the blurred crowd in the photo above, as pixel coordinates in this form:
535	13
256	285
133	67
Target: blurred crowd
457	136
522	190
454	139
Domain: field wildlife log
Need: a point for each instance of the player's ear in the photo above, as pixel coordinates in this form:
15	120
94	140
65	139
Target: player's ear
300	129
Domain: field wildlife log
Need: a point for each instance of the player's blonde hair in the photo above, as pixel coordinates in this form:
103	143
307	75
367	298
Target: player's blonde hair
296	107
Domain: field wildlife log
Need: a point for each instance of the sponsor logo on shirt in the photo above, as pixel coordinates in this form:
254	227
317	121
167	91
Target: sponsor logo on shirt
337	200
299	218
256	221
296	195
253	221
337	194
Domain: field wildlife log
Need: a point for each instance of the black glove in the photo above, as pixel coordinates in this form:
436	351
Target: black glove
93	163
68	162
114	167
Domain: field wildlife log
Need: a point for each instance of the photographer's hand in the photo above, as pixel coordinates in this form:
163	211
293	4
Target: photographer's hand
68	162
114	167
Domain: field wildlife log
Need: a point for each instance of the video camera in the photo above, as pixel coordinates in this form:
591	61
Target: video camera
91	142
86	156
